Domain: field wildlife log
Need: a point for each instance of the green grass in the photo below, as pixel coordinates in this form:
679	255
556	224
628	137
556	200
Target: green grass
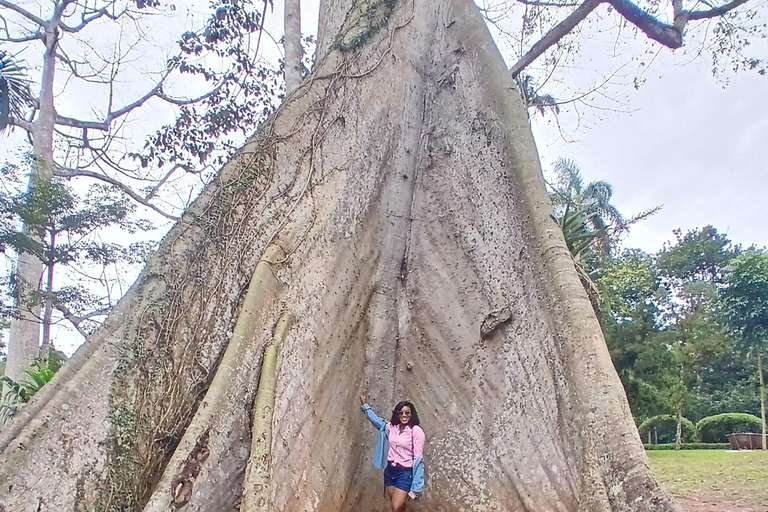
735	475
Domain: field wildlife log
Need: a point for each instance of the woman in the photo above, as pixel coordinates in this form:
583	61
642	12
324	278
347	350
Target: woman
400	446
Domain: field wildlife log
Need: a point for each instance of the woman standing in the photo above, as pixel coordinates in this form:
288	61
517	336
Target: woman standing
399	452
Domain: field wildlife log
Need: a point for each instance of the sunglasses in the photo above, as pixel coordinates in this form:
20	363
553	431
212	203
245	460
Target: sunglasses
404	413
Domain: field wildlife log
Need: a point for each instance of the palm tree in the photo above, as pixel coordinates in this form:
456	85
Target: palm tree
14	89
585	212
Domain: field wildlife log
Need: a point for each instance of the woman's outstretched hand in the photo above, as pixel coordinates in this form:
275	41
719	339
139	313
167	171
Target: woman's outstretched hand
363	398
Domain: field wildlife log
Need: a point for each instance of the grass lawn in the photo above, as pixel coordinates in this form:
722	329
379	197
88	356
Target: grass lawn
737	477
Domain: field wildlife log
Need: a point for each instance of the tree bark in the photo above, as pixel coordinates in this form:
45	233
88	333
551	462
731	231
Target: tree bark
762	393
24	336
421	261
294	53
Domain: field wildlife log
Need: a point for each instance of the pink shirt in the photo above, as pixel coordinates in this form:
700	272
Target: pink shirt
405	445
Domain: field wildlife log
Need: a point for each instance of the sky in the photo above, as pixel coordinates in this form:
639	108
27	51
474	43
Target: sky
685	140
691	144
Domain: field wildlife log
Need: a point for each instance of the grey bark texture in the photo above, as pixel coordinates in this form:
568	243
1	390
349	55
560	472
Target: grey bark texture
294	53
24	335
421	261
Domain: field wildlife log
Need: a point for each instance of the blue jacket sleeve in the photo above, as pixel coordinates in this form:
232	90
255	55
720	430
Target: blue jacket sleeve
373	418
417	484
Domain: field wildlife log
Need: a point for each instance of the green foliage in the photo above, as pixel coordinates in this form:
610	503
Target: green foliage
745	297
625	283
365	19
713	429
663	429
15	96
58	230
530	91
207	132
591	203
728	384
19	393
688	446
699	254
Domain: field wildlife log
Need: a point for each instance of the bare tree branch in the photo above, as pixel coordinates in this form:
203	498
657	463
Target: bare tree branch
554	35
717	11
104	125
84	22
25	39
74	319
70	173
668	35
548	4
23	12
21	123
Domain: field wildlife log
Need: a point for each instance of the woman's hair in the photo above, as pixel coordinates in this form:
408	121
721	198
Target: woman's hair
396	414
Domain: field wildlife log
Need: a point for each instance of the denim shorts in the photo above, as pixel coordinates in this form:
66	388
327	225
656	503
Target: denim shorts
397	476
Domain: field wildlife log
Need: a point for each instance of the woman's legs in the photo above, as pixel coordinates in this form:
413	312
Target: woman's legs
397	498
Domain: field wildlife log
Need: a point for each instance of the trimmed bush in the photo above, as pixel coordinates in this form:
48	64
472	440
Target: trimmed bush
689	446
713	429
663	429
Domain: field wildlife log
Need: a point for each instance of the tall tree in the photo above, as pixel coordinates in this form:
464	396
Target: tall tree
745	297
294	52
690	271
92	143
588	206
394	206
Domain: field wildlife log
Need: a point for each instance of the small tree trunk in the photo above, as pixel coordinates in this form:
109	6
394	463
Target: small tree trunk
294	53
45	346
762	393
24	337
679	432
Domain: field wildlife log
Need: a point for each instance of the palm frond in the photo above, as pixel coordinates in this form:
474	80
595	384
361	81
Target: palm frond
15	95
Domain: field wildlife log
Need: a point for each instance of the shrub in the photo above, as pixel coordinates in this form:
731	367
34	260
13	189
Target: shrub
663	429
713	429
688	446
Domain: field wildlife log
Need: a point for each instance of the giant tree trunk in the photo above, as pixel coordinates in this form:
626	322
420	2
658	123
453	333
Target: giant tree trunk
395	208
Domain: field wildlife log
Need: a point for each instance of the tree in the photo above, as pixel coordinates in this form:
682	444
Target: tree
690	270
294	53
395	207
237	93
745	298
59	231
599	223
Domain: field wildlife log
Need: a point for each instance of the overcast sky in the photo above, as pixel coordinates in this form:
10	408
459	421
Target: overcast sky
684	140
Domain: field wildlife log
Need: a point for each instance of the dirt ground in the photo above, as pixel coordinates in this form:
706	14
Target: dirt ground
713	503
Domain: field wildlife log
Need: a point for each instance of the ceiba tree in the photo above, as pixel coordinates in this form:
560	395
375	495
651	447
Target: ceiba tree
388	229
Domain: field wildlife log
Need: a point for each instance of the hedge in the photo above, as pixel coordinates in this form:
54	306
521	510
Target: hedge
665	426
688	446
713	429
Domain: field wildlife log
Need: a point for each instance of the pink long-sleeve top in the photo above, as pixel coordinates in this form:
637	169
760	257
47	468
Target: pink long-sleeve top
404	446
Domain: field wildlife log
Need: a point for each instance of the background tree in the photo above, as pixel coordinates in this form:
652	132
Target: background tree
236	93
745	299
62	230
690	270
589	205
